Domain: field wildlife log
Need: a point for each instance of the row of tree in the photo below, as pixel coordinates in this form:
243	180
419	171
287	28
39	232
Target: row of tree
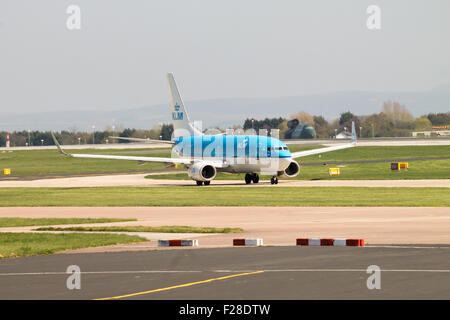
394	120
44	138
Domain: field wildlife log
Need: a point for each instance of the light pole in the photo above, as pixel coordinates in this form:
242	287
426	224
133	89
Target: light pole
360	132
93	134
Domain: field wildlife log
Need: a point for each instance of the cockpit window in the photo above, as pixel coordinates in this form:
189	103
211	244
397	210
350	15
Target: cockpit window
276	148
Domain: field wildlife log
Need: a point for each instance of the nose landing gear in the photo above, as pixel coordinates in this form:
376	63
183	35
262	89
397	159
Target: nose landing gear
274	180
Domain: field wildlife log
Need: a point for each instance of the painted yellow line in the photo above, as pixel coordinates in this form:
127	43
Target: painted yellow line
181	285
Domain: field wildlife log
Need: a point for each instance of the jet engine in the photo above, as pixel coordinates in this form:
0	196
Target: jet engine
202	172
291	171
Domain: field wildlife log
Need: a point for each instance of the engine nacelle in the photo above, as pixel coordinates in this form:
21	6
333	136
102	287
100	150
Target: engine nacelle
202	172
291	171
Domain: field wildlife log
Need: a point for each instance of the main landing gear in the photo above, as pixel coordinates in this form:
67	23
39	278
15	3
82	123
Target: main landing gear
249	177
207	183
274	180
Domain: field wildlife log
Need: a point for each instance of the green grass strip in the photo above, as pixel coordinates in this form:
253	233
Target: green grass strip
225	196
30	244
23	222
163	229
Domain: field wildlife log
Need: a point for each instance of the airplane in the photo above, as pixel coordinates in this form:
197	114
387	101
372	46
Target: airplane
206	155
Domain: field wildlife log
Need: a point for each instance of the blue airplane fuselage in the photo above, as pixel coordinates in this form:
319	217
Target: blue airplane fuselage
231	146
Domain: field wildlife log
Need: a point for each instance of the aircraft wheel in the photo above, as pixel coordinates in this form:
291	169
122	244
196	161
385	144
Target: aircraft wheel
199	183
207	183
248	178
272	180
276	180
255	178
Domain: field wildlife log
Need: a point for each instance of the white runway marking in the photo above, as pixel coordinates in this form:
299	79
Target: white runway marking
97	272
223	271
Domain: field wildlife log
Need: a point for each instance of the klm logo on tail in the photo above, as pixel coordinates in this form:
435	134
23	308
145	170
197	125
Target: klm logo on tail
177	115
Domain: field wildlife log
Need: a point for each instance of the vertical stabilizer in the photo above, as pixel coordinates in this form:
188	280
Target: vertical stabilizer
353	132
180	118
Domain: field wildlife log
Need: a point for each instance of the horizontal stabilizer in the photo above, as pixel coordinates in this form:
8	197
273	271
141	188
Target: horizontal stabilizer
143	140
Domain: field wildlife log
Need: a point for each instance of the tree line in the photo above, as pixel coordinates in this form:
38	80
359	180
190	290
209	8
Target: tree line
394	120
65	137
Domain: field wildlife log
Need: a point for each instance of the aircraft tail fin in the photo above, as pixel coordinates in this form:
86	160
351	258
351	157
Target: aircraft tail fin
58	145
353	132
180	117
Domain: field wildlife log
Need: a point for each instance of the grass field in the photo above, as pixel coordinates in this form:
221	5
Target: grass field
162	229
23	222
30	244
28	162
225	196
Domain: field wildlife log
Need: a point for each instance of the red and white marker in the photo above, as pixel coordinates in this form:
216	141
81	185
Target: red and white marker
8	143
178	243
248	242
330	242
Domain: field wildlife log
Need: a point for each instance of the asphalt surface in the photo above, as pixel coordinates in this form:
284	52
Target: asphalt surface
413	272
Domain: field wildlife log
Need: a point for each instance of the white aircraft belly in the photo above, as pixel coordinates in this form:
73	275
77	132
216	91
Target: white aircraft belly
267	165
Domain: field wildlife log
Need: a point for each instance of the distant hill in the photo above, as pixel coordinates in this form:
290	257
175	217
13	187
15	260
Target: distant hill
227	112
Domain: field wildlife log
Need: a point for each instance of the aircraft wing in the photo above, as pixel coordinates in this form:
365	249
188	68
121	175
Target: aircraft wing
218	164
328	149
140	159
143	140
321	150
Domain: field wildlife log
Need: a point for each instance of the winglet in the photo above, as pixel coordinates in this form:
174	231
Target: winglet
58	146
353	132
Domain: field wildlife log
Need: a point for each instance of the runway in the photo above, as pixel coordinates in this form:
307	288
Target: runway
234	273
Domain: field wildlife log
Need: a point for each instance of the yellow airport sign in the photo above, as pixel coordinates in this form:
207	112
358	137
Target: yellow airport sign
334	171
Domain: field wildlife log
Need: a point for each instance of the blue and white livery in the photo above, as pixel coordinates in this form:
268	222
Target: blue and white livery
206	155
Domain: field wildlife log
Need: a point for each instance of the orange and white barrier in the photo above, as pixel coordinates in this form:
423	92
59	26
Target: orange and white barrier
248	242
178	243
330	242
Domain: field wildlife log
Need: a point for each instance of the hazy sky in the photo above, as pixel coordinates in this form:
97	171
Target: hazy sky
216	49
